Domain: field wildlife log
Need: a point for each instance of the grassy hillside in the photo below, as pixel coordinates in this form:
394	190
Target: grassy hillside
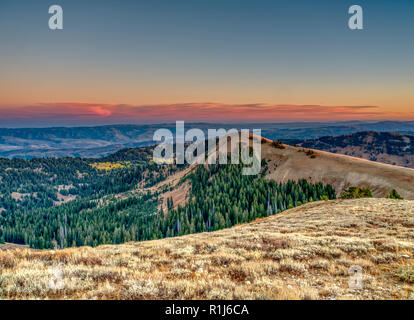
340	171
302	253
387	147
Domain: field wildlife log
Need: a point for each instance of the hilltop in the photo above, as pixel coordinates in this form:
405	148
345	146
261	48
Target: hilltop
282	163
302	253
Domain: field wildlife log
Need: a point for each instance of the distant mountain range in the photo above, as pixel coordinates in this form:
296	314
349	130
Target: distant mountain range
96	142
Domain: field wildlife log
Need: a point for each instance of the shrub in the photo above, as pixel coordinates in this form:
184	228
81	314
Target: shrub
356	192
394	195
7	260
406	273
278	144
292	267
309	152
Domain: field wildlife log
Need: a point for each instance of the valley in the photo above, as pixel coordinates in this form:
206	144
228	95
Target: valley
68	202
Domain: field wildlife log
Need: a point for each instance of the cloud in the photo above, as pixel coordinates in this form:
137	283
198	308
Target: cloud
208	111
99	111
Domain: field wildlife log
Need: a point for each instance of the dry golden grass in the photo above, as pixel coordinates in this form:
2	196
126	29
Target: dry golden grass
303	253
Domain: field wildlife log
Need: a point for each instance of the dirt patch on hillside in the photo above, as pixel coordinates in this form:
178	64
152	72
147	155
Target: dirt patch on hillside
179	195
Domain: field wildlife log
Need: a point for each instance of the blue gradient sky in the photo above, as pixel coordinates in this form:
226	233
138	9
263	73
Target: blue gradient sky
228	52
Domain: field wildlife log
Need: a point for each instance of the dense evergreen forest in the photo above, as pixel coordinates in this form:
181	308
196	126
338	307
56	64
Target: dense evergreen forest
43	183
220	197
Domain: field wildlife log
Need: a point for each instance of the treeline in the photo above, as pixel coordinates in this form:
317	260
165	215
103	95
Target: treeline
81	222
221	196
362	192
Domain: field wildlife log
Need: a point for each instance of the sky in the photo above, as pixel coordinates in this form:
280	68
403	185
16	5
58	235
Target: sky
205	60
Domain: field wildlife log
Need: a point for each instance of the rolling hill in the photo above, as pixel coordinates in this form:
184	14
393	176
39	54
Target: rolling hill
341	171
387	147
302	253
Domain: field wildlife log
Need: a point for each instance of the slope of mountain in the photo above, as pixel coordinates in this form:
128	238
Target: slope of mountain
340	171
387	147
302	253
67	141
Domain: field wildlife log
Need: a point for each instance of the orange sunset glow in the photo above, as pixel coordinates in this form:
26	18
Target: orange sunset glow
206	112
